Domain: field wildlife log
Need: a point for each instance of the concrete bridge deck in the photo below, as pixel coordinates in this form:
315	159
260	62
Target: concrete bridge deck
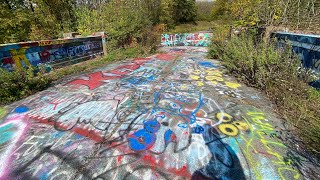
174	115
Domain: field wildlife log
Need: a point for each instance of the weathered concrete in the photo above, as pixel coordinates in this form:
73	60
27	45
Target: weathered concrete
174	115
186	39
55	53
306	45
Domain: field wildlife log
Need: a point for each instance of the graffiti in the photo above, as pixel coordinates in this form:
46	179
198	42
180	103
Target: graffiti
316	64
145	138
212	76
96	79
262	127
230	126
224	163
10	134
196	39
21	109
306	46
207	64
3	112
55	52
168	116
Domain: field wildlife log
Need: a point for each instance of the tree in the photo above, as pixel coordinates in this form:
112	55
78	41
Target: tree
15	22
166	13
52	17
184	11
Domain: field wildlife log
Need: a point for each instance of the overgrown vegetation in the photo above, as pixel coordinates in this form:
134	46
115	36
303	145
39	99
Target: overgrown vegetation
19	84
191	27
132	27
277	72
124	21
249	55
204	10
293	14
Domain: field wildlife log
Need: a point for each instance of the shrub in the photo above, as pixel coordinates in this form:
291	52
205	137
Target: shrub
276	72
19	84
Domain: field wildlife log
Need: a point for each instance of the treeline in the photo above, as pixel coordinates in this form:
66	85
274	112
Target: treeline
127	21
124	21
295	14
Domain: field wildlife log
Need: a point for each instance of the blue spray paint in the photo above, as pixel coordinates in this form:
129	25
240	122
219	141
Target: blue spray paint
207	64
224	163
144	139
21	109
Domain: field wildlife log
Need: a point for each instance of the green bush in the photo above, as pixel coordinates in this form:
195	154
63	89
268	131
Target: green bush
276	72
19	84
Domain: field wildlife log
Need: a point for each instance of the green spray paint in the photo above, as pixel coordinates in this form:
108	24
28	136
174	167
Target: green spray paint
3	112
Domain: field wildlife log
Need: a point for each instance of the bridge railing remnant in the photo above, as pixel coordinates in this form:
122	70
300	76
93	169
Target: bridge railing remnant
307	46
186	39
56	53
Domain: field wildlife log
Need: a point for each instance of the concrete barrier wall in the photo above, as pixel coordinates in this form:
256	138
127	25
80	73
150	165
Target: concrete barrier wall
186	39
307	46
53	52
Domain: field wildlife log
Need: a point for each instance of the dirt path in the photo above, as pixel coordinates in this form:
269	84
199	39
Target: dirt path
175	115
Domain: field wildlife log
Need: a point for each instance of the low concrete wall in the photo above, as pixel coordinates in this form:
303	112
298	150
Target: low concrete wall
307	46
186	39
53	52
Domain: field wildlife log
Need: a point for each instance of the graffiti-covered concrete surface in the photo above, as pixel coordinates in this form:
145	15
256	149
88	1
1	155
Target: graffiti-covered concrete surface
174	115
186	39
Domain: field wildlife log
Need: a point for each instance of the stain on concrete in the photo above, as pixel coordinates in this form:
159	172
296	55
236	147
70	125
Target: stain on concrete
175	115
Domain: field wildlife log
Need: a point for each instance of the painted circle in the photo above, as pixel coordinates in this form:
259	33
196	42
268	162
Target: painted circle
141	140
152	126
228	129
224	117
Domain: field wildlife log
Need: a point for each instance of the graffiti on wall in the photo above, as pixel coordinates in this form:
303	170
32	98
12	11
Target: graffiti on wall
168	116
54	52
186	39
307	46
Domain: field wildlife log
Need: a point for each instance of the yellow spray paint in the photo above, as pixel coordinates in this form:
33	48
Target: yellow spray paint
214	73
18	56
214	82
259	120
296	176
228	129
233	85
199	83
224	117
194	77
216	78
197	72
241	125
